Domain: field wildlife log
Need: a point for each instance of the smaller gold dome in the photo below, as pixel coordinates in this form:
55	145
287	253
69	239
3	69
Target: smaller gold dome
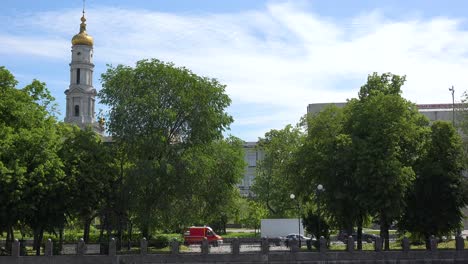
82	38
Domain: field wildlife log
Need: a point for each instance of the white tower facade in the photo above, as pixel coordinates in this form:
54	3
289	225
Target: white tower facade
81	95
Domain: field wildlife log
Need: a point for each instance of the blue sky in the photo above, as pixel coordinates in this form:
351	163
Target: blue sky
274	56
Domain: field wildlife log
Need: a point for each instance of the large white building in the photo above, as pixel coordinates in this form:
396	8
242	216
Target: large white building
251	157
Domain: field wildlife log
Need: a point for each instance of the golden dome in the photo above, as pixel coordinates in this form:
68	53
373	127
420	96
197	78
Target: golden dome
82	38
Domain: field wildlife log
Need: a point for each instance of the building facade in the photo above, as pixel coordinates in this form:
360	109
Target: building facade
251	156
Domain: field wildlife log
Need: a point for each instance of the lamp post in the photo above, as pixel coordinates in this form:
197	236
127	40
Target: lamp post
319	190
452	89
292	196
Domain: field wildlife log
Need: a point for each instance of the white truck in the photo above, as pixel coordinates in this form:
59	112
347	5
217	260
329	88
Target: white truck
273	228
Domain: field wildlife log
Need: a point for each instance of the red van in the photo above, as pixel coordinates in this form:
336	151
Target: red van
195	235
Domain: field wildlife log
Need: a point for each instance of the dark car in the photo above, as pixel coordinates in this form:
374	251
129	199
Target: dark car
304	240
343	236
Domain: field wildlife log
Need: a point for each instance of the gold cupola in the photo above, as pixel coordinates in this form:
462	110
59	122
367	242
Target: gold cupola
82	38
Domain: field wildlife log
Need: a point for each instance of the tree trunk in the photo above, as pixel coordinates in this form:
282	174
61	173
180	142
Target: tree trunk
9	239
101	228
384	230
35	234
119	232
130	231
86	227
382	233
359	234
145	231
349	231
427	240
60	245
108	232
224	226
101	235
38	233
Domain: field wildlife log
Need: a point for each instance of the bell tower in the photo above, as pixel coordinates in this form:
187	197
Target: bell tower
81	94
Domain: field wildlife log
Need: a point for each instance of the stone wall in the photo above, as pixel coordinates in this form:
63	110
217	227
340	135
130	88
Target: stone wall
434	255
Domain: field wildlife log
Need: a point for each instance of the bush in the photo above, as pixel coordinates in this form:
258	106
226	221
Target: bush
72	236
160	241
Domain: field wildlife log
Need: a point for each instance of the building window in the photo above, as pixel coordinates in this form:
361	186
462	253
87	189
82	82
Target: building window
77	110
77	76
252	159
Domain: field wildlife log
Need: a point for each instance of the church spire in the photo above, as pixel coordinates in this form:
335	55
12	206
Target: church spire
82	38
81	94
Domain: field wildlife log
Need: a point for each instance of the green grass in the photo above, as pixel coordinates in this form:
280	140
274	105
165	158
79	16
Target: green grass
377	232
450	244
240	235
367	231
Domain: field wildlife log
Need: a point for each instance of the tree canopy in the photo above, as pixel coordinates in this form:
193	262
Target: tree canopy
273	182
170	122
33	188
387	134
372	158
438	194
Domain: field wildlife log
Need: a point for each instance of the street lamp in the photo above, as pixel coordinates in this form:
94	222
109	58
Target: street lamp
319	190
452	89
292	196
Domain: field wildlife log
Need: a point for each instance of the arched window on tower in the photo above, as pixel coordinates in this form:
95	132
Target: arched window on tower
77	76
77	110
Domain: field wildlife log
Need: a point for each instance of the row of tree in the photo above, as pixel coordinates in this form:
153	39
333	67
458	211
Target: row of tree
167	167
378	158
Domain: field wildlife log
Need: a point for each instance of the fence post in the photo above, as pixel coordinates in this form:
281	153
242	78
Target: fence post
405	244
15	248
322	244
265	245
204	246
143	246
378	244
48	248
80	247
350	244
112	247
459	243
175	246
235	246
433	243
294	244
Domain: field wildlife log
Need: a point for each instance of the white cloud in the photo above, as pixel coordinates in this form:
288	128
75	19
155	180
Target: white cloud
35	46
282	56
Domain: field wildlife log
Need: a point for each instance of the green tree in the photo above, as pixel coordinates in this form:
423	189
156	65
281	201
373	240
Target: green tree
273	180
311	224
363	155
387	135
12	173
436	198
212	171
87	164
327	158
157	112
32	183
253	213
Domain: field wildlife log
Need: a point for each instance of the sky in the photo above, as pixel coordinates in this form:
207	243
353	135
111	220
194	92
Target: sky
275	57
